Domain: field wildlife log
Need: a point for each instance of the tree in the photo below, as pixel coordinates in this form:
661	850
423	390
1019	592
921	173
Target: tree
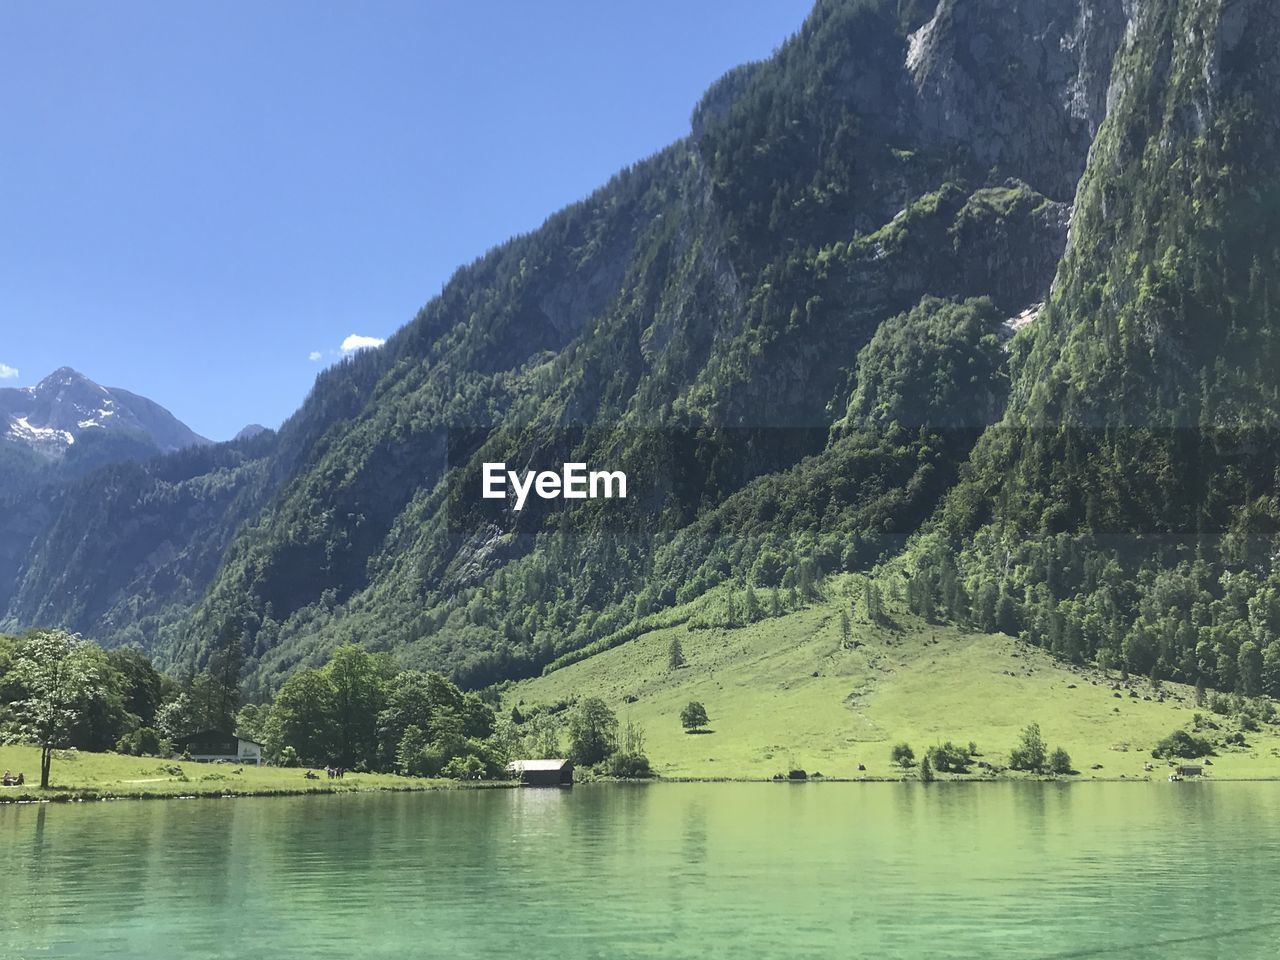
411	753
1030	753
541	740
176	719
58	673
478	717
675	655
926	771
211	702
632	737
412	698
141	684
846	631
1271	668
302	717
694	717
252	720
358	695
593	732
1249	675
872	602
903	755
730	610
630	762
222	678
1059	761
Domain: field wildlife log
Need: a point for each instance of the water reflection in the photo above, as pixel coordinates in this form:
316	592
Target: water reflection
696	870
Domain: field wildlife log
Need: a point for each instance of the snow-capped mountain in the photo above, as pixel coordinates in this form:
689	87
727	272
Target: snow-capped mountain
67	406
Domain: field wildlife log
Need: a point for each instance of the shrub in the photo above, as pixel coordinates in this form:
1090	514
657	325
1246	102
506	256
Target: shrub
1060	761
144	740
630	766
903	755
464	768
948	758
1183	745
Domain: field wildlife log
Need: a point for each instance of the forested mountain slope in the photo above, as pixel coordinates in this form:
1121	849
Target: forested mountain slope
790	329
696	323
1126	507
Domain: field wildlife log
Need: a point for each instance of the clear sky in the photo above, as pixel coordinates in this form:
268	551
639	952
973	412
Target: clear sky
200	202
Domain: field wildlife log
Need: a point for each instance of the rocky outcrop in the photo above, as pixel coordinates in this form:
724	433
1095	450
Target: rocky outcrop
1023	85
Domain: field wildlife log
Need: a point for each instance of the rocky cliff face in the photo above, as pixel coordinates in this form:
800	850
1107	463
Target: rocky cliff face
1023	85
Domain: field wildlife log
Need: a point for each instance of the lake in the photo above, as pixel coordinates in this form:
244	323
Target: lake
1006	870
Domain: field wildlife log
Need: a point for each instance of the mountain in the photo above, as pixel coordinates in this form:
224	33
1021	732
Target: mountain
67	407
250	431
56	434
1127	507
971	297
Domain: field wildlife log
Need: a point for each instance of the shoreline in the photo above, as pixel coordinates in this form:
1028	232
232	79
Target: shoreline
102	795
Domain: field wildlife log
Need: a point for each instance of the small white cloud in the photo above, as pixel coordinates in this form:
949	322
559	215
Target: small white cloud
314	355
358	342
7	372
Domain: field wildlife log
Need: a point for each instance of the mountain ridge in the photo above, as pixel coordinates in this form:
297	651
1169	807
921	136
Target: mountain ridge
793	326
52	415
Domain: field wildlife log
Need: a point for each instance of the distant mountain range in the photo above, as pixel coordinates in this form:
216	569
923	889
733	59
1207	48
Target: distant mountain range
66	406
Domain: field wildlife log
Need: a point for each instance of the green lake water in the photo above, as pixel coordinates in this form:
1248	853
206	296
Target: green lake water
673	870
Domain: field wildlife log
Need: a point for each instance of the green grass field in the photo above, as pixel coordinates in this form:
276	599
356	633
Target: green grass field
77	774
783	693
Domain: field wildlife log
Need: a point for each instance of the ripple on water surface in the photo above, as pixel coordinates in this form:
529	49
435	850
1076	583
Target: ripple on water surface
671	870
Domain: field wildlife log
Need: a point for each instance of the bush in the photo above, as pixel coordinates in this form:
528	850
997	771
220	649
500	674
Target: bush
1060	761
948	758
630	766
903	755
464	768
1183	745
144	740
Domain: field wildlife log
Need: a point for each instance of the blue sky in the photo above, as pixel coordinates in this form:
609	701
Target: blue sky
201	202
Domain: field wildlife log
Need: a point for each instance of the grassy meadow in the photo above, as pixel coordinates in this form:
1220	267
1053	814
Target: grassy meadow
786	692
82	775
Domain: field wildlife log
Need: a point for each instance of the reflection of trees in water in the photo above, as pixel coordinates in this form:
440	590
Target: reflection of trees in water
103	864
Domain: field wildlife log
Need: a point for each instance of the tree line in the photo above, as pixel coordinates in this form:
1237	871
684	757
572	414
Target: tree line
358	711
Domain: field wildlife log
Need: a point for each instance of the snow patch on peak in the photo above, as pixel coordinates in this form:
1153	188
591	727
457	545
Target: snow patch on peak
20	428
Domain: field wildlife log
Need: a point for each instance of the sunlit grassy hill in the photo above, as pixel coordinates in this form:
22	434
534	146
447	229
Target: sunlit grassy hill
786	692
